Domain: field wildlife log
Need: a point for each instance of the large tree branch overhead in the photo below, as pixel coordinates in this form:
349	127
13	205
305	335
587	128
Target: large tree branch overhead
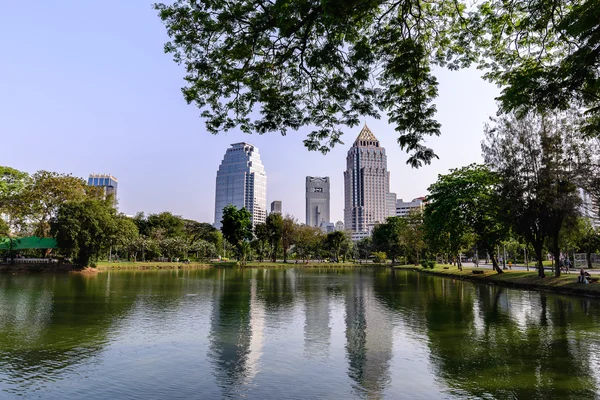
279	65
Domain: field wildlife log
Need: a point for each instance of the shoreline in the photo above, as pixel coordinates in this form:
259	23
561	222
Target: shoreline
566	284
156	266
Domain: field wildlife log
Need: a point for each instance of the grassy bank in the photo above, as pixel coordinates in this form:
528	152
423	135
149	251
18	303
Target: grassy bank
565	284
151	265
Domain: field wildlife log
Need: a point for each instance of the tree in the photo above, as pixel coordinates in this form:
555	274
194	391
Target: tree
585	238
308	239
195	231
288	235
236	227
544	54
124	233
465	204
12	184
346	248
47	191
364	247
84	228
171	225
275	66
204	249
261	240
379	257
174	246
538	158
317	63
335	241
274	226
390	237
415	234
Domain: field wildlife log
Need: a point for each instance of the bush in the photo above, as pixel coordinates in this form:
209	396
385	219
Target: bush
379	257
428	264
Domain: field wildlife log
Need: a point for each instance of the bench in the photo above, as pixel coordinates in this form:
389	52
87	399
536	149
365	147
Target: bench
477	272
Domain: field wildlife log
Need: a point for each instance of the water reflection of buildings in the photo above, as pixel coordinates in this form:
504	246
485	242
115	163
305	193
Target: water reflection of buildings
317	329
236	333
369	338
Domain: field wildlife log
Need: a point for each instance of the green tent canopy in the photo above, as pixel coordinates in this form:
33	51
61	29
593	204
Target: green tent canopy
29	242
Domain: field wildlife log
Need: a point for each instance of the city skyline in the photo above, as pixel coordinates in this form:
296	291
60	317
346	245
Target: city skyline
134	103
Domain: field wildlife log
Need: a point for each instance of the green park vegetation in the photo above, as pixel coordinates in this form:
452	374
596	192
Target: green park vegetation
565	284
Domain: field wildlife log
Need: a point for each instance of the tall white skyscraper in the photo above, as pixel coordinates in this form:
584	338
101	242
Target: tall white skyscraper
366	185
317	200
242	182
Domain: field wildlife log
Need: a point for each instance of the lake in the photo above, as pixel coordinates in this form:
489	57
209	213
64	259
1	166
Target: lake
291	334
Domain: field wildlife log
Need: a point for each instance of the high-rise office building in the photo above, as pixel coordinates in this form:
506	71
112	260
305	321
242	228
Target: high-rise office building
276	206
317	200
107	182
242	182
366	185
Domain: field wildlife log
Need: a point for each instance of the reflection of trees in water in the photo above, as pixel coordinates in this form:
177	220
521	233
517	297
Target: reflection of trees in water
369	338
51	322
488	341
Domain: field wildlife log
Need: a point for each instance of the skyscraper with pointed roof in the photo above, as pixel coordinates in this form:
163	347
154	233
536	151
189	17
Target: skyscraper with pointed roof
366	185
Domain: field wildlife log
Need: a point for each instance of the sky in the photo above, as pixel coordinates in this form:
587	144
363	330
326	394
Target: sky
85	87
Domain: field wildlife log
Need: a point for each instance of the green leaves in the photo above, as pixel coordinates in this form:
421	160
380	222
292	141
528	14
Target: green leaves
543	53
464	207
279	66
236	226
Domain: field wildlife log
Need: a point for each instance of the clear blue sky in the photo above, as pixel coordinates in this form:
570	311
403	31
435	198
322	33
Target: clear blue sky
85	87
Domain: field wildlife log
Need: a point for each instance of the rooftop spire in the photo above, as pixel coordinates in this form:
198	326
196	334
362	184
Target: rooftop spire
366	135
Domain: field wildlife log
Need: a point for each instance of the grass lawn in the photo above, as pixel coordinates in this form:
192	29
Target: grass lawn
105	265
566	283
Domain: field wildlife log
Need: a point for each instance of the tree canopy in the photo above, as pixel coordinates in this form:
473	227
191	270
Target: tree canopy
236	226
465	205
275	66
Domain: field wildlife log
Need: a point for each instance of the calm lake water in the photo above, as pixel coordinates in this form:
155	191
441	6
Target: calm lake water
291	334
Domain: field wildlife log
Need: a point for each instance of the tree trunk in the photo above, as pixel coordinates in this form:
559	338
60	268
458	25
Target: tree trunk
557	263
556	254
588	259
540	265
495	265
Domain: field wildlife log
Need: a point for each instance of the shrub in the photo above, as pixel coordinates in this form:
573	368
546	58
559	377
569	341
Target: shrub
380	257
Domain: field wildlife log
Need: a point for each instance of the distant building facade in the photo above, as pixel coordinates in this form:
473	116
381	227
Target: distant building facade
107	182
404	208
390	204
327	227
317	200
242	182
339	226
366	185
276	206
588	209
